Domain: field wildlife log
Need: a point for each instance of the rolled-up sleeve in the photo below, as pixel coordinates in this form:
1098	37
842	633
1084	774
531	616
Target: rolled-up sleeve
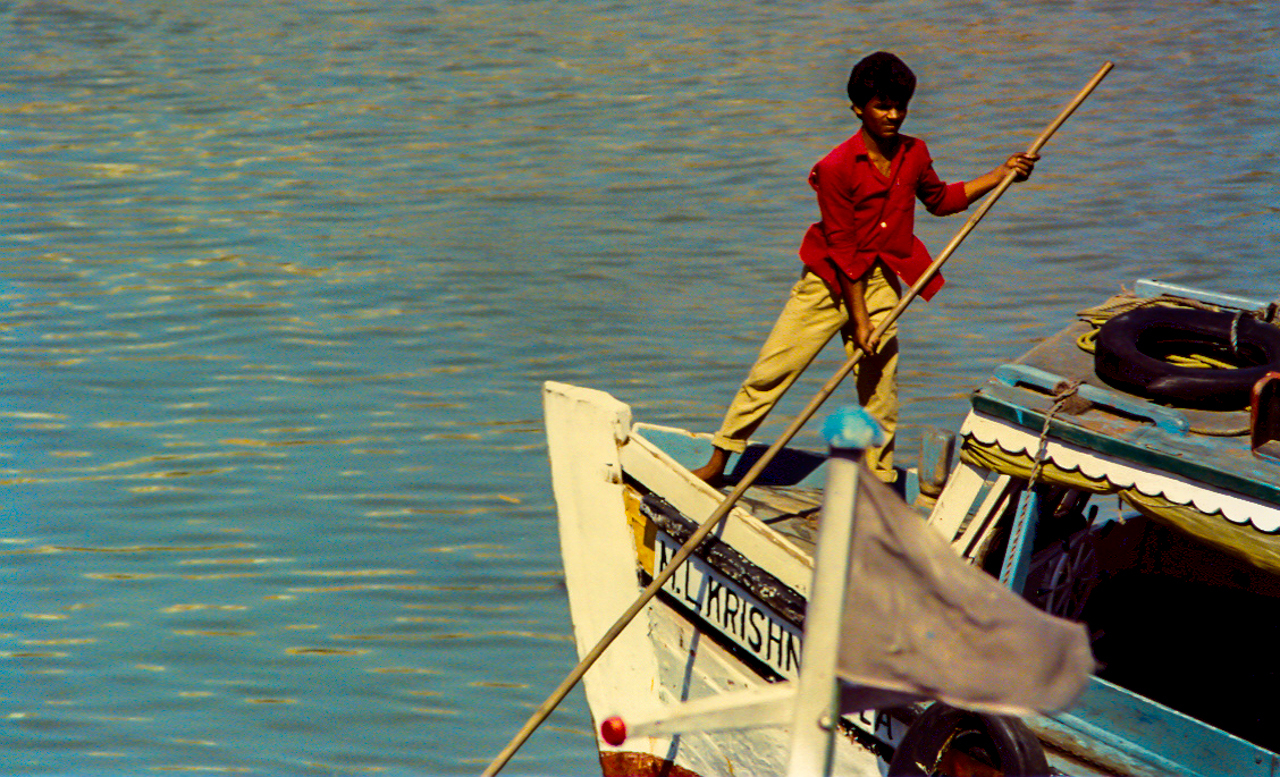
940	199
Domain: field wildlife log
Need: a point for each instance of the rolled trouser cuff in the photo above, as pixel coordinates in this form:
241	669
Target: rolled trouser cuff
728	444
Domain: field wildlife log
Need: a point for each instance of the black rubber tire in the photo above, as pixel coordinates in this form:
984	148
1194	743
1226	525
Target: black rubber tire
1006	741
1131	348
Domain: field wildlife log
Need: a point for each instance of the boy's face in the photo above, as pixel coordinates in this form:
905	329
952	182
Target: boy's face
882	117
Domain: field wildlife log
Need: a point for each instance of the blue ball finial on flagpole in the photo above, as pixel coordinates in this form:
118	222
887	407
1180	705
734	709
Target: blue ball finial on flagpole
852	428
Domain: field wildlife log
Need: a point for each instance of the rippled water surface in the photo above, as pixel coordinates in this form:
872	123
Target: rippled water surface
281	281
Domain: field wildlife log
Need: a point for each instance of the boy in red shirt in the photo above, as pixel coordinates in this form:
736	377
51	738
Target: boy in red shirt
854	258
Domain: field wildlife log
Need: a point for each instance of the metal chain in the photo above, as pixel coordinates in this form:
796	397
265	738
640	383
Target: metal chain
1061	393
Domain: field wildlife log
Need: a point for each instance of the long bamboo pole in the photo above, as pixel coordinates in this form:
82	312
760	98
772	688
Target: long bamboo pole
718	515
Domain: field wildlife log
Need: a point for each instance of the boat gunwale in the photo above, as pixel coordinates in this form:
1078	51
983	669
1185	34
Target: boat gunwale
1136	452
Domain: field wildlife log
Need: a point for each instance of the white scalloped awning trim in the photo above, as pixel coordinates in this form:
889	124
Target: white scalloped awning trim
1072	458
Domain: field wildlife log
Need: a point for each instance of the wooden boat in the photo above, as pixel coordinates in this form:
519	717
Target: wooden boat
1154	524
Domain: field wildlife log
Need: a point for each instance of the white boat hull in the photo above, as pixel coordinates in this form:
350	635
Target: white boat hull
664	655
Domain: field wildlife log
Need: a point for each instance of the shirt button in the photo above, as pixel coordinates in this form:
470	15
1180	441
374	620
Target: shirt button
884	225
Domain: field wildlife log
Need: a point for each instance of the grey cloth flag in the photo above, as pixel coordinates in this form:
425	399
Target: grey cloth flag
920	622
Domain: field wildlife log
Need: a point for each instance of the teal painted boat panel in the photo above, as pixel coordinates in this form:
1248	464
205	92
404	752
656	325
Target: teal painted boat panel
1122	730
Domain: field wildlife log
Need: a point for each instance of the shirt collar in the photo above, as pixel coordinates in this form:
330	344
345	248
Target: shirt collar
859	146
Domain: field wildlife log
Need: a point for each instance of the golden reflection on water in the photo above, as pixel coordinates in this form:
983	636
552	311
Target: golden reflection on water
310	651
128	549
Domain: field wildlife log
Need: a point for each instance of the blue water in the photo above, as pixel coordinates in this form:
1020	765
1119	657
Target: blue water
281	281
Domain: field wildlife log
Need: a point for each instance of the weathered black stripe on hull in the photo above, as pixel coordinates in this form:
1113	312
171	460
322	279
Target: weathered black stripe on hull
784	600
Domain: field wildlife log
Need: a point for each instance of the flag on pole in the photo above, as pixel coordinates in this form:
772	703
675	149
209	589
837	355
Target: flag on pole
921	622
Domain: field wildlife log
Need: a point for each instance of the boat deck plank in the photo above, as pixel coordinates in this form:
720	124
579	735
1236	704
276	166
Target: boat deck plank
792	512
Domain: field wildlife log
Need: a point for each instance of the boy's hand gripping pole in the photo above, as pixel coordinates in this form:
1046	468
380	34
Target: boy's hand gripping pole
544	711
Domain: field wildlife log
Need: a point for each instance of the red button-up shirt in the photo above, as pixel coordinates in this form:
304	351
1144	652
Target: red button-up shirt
859	226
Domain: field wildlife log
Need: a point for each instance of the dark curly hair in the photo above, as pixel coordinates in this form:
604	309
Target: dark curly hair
881	75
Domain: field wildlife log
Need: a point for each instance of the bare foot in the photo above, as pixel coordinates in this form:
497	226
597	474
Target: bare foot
712	473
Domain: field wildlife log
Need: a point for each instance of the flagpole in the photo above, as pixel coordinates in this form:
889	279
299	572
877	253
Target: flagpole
717	515
849	433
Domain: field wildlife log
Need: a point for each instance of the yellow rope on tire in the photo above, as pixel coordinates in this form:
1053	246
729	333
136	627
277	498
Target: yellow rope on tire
1098	316
1088	342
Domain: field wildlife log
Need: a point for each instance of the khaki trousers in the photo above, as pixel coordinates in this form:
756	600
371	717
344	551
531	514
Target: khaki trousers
808	320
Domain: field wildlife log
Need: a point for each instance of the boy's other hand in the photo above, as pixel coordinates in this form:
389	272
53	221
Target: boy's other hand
1021	164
